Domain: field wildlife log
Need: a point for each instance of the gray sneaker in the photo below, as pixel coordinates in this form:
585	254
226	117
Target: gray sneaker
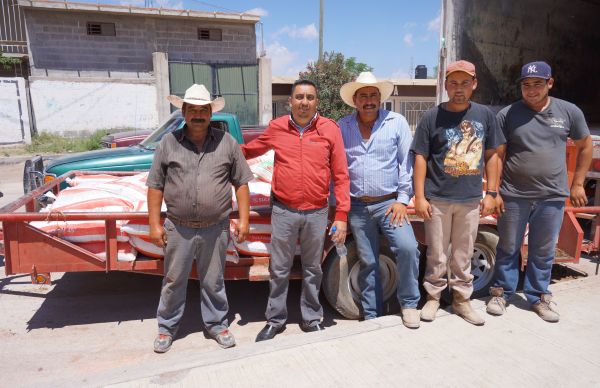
546	308
225	339
162	343
497	304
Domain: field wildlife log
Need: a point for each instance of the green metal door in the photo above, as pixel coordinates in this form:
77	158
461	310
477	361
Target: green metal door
237	84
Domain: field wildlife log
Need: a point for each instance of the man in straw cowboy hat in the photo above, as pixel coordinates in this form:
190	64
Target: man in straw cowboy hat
449	144
377	145
309	154
193	170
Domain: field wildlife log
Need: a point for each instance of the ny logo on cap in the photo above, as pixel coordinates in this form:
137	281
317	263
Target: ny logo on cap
532	69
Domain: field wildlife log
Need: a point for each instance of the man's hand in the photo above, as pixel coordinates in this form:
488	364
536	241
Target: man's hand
423	208
241	231
499	205
398	214
578	197
487	206
339	236
158	235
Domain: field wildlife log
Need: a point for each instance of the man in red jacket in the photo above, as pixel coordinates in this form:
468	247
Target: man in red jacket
309	154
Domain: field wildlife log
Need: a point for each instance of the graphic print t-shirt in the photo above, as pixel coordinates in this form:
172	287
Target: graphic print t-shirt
454	144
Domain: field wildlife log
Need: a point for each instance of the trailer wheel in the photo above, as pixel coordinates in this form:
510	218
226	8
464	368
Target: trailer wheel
484	260
482	263
340	279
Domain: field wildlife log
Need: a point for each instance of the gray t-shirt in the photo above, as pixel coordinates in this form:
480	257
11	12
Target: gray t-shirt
535	165
454	144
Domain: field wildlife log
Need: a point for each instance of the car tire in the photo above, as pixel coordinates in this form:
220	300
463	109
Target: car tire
340	279
28	184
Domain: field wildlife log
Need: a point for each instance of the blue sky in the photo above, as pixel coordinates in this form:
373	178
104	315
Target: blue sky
391	36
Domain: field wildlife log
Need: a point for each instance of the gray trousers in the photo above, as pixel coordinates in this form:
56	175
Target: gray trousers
208	247
288	225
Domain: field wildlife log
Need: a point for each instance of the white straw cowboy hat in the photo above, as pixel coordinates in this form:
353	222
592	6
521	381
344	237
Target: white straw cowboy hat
366	78
197	95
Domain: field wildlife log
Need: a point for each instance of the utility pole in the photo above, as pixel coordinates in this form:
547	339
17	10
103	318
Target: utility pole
321	30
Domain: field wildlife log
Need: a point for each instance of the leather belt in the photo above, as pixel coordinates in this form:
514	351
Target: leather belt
191	224
367	199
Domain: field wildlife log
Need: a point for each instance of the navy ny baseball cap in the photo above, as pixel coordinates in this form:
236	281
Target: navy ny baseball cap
538	69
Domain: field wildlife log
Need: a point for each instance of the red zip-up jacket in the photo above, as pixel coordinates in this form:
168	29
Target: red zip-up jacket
305	164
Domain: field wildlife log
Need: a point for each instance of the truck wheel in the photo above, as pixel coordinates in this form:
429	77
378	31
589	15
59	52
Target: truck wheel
340	279
483	260
28	184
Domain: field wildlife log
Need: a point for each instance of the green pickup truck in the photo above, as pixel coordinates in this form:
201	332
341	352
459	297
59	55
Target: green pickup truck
137	157
340	280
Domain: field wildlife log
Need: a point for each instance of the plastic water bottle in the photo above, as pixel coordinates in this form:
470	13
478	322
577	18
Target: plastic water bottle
340	248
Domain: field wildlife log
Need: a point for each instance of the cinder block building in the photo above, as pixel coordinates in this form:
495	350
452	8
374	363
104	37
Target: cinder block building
96	66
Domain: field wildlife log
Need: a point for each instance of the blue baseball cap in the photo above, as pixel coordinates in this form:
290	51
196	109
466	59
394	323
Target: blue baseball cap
537	69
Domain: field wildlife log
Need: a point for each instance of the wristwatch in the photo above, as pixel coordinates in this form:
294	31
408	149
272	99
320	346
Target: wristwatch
492	194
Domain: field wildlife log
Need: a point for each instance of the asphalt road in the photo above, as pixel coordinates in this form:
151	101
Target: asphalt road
85	323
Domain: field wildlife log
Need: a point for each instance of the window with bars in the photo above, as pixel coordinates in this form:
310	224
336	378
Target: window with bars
104	29
210	34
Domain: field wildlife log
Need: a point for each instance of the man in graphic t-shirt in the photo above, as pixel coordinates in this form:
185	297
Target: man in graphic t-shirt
453	144
534	187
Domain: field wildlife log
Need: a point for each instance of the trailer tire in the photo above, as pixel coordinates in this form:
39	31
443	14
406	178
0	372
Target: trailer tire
483	261
340	279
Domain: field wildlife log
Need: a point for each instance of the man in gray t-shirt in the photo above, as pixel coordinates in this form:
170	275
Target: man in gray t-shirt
534	187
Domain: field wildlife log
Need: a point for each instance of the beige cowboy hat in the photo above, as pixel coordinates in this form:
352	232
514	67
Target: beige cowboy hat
197	95
366	78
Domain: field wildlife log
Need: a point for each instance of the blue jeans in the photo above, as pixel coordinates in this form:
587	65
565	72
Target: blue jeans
545	219
365	221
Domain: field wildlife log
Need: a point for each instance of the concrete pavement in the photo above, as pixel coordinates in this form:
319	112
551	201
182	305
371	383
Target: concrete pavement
517	349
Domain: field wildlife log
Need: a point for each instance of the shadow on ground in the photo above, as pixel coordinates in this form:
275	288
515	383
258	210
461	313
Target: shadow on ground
82	298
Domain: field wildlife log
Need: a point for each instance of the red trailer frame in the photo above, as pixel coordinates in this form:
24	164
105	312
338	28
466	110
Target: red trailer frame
30	250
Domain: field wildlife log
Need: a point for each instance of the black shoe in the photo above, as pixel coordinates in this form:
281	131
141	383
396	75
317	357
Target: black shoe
307	328
268	332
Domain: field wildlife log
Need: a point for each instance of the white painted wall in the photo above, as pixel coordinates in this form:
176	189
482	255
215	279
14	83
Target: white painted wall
14	117
70	108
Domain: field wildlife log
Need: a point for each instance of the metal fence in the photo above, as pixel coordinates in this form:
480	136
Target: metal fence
13	39
414	110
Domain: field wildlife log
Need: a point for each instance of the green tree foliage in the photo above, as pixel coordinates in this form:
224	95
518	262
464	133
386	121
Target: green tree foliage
8	62
329	75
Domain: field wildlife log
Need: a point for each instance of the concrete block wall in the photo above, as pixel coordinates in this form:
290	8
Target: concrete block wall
73	107
59	40
14	117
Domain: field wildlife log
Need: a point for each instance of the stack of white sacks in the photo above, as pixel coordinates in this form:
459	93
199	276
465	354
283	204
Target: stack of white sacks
107	193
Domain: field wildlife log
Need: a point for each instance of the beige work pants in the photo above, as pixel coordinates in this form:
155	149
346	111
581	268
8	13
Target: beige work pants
451	231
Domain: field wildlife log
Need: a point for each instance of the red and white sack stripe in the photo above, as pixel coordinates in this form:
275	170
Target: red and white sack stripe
262	167
258	225
90	180
260	194
125	252
147	248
